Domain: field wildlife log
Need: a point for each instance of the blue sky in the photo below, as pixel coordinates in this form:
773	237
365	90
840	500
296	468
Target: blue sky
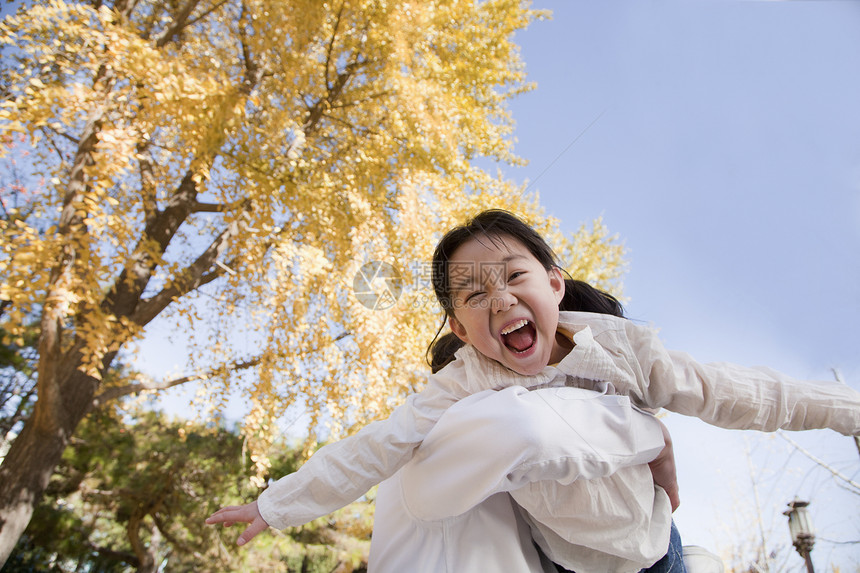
720	140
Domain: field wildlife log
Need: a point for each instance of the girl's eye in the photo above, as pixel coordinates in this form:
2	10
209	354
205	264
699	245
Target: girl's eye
474	296
516	274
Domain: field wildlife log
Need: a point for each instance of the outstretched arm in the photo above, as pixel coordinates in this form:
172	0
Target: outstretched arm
736	397
342	471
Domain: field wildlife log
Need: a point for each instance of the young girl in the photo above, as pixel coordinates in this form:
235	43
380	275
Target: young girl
500	287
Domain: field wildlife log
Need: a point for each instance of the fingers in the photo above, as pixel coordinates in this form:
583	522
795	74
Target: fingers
249	513
229	515
251	531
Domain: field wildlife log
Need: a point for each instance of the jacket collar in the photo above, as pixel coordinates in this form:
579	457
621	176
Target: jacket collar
588	360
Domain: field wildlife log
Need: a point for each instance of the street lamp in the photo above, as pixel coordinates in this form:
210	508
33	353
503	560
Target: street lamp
802	533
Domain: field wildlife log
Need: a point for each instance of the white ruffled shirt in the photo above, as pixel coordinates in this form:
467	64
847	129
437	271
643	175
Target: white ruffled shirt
610	354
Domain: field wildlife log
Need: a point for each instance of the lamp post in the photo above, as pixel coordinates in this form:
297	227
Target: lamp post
802	533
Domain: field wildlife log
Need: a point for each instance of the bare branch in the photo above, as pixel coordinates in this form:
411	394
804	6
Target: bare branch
25	398
47	128
334	88
120	391
820	462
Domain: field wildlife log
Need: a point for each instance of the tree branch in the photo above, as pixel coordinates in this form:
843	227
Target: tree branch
120	391
205	13
165	532
197	274
316	111
252	70
327	63
124	297
820	462
63	134
180	21
147	182
124	556
359	101
25	399
199	207
355	128
144	553
125	7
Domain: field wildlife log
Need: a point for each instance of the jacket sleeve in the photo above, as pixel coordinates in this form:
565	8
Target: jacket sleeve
341	472
497	441
737	397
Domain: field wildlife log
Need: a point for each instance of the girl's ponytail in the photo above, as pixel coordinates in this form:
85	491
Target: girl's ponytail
442	351
581	296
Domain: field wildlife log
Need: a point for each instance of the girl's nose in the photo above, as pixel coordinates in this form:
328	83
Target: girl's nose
502	300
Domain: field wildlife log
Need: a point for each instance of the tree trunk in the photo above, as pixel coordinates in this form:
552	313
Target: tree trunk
64	394
34	455
24	476
146	556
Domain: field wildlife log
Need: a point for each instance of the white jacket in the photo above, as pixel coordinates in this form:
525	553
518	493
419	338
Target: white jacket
442	513
610	355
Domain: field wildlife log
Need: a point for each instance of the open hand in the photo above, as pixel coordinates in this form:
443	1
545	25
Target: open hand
248	513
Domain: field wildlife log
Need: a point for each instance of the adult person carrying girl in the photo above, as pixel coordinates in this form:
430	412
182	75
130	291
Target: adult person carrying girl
515	335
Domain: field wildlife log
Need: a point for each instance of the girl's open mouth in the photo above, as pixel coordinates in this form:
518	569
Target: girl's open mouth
519	336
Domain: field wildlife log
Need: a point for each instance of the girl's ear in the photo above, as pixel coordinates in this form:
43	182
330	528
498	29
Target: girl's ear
556	282
457	329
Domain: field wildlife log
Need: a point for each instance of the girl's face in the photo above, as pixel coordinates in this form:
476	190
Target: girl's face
505	303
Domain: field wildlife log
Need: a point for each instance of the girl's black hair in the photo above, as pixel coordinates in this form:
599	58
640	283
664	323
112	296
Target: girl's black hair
581	296
442	351
495	224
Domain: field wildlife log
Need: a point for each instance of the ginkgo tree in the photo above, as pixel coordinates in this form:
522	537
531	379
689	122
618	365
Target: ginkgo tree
230	165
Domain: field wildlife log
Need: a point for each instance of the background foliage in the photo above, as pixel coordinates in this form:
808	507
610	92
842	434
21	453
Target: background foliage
151	482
